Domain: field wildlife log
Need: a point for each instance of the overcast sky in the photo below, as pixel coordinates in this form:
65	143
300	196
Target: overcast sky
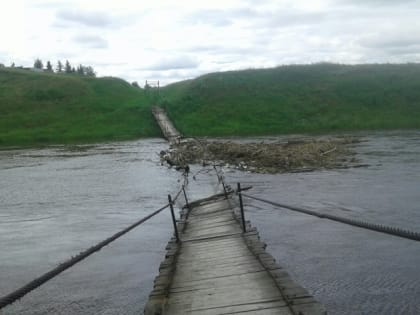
175	40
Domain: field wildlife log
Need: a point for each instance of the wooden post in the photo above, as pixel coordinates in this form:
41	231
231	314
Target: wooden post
185	196
173	217
220	180
224	189
242	208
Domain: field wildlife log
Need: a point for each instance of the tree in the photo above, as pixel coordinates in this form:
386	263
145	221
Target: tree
67	67
49	67
38	64
73	70
59	68
135	84
80	70
12	65
90	72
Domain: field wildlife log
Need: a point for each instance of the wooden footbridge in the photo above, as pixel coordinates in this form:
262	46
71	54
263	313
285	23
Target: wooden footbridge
165	124
216	263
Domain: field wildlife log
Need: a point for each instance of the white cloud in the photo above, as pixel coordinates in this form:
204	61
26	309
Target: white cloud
173	40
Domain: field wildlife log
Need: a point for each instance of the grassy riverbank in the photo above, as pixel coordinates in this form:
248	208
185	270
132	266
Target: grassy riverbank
297	99
43	108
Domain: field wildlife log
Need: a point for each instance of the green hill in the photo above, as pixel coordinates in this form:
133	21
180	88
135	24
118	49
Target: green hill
297	99
44	108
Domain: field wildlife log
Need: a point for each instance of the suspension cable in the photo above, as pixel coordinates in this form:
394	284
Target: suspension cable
22	291
365	225
37	282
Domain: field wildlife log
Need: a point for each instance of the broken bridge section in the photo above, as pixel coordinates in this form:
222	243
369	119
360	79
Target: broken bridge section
168	129
216	268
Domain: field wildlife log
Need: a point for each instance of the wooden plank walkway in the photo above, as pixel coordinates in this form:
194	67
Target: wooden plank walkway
168	129
218	269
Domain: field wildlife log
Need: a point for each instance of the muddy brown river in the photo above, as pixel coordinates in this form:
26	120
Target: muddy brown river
57	201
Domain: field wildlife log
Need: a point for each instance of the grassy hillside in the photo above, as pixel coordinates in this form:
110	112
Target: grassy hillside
296	99
42	108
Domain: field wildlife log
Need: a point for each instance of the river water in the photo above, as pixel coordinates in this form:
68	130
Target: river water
57	201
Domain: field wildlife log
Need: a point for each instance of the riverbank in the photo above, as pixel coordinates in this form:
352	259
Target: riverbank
45	108
315	99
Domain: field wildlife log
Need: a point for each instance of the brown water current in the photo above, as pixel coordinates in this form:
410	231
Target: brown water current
57	201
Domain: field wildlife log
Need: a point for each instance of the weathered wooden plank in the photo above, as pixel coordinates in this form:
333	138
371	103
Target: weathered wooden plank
165	124
245	279
218	269
249	308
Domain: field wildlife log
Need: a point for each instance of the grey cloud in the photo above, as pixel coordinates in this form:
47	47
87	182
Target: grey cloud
205	48
183	62
223	50
393	46
92	19
91	41
391	41
375	3
292	18
107	64
219	18
404	51
67	55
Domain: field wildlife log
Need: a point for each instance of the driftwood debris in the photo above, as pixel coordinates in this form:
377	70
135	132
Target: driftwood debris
276	157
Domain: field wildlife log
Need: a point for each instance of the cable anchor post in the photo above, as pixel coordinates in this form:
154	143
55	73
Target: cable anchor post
173	218
185	196
241	205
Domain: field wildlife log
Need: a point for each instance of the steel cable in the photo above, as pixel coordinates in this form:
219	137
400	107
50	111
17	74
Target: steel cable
365	225
19	293
22	291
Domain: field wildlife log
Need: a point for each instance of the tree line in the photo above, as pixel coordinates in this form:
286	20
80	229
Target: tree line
65	68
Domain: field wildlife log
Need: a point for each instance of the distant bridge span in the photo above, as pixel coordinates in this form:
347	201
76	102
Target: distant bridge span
168	129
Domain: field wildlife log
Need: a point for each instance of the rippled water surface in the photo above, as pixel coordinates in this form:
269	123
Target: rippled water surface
57	201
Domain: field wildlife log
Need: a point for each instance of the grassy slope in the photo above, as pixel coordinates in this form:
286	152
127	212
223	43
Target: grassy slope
289	99
41	108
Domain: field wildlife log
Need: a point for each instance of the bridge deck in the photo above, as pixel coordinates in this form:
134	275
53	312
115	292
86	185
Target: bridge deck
168	129
217	269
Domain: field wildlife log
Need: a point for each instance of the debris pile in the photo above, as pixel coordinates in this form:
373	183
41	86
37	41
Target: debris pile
276	157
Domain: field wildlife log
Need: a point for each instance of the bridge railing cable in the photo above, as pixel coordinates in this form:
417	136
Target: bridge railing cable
361	224
22	291
395	231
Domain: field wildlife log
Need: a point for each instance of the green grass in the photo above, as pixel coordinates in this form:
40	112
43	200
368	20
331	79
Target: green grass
42	108
317	98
